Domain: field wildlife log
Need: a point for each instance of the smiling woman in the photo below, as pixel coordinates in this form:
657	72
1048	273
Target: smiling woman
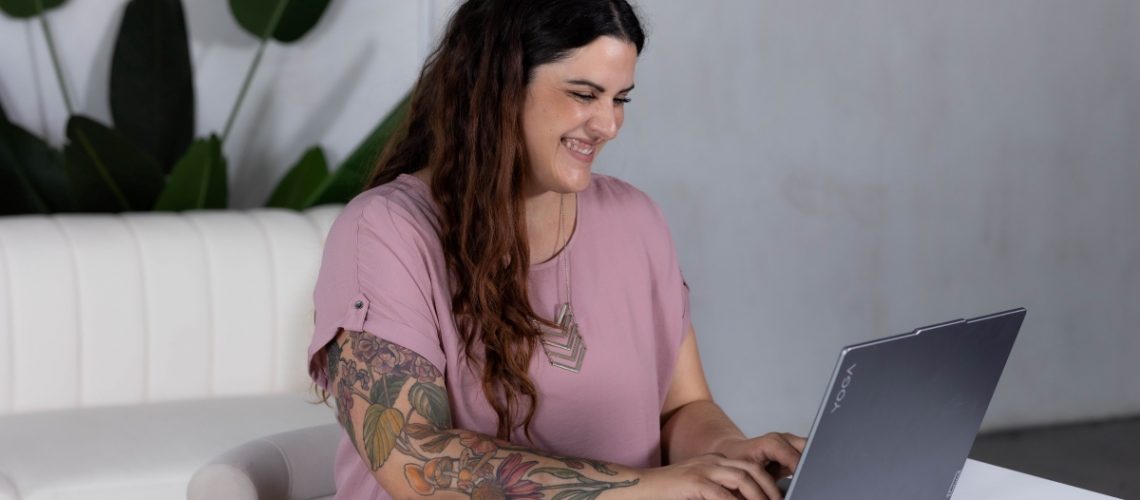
573	108
490	312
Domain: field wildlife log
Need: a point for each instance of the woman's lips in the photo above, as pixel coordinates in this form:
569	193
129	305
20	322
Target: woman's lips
579	149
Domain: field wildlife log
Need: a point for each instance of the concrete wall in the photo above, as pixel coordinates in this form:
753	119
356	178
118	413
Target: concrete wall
832	171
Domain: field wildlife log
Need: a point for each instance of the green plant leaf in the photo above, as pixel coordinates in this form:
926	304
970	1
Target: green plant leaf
382	427
198	181
27	8
299	186
348	180
430	401
387	389
106	172
296	19
152	83
32	177
17	196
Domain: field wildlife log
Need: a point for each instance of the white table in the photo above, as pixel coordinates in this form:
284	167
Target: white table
982	481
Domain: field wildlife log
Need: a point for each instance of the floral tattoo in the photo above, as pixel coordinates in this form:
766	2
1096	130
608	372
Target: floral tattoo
371	371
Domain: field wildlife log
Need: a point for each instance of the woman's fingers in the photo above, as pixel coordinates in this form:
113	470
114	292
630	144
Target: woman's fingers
797	442
748	478
712	490
781	449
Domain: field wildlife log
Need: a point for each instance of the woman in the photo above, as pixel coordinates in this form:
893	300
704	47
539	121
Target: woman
494	320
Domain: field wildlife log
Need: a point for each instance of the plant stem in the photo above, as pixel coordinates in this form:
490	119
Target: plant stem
54	56
269	29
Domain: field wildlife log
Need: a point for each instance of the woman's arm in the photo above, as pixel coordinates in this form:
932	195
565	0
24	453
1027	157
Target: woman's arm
393	405
692	424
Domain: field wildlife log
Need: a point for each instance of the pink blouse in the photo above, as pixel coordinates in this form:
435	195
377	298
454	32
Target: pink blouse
384	273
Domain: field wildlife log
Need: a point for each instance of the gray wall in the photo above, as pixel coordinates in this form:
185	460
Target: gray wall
832	171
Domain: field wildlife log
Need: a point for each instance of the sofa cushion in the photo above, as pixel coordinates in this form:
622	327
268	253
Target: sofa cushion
138	451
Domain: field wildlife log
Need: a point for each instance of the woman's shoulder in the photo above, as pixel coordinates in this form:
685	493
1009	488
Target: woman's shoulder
400	207
615	196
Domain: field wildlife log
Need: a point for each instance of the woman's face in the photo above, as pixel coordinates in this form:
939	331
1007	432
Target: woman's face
573	107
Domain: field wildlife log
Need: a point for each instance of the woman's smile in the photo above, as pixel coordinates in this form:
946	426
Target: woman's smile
579	149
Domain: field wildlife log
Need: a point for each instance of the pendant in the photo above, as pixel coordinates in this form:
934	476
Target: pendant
564	347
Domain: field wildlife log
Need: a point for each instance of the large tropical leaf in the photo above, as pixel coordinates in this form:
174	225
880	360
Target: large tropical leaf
289	20
152	84
32	178
27	8
198	181
347	181
107	172
299	187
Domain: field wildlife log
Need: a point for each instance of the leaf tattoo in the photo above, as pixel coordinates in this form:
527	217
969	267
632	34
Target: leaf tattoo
416	422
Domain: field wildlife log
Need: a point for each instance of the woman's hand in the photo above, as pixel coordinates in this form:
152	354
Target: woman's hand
778	453
708	477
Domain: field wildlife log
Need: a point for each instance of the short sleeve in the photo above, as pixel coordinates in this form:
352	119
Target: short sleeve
375	278
669	274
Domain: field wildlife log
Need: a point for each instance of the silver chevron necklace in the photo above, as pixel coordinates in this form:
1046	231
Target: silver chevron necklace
564	346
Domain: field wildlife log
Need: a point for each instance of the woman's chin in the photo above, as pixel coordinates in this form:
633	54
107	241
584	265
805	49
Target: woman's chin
577	182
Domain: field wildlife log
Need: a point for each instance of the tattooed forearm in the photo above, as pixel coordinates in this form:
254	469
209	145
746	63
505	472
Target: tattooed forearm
390	399
491	468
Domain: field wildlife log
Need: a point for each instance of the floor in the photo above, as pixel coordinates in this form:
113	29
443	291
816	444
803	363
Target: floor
1102	456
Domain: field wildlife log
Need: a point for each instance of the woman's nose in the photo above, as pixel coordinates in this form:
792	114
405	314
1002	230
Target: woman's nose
604	122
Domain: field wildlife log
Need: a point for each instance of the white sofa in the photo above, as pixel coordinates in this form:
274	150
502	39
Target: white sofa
135	348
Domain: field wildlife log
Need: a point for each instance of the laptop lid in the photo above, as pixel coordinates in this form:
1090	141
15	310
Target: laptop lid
900	414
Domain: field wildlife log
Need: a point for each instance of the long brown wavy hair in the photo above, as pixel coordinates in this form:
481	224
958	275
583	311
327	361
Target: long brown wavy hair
465	122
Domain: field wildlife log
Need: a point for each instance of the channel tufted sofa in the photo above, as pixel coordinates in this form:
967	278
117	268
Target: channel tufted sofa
135	348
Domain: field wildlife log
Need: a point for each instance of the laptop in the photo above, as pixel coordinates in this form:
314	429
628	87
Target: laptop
900	414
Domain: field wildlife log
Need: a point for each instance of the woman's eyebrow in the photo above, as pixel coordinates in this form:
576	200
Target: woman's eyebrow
597	87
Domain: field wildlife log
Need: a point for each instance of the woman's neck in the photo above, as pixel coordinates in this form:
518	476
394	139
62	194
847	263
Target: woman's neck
550	221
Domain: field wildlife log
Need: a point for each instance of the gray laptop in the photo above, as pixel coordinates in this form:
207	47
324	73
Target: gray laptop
901	413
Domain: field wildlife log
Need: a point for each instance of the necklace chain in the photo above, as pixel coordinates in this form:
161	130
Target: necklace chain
557	250
564	347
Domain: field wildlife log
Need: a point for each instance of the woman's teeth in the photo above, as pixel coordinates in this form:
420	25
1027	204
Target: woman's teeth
578	146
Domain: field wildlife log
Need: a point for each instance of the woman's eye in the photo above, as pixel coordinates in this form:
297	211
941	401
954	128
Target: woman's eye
622	100
583	97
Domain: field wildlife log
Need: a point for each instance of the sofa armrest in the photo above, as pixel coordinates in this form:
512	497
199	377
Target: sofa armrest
294	465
